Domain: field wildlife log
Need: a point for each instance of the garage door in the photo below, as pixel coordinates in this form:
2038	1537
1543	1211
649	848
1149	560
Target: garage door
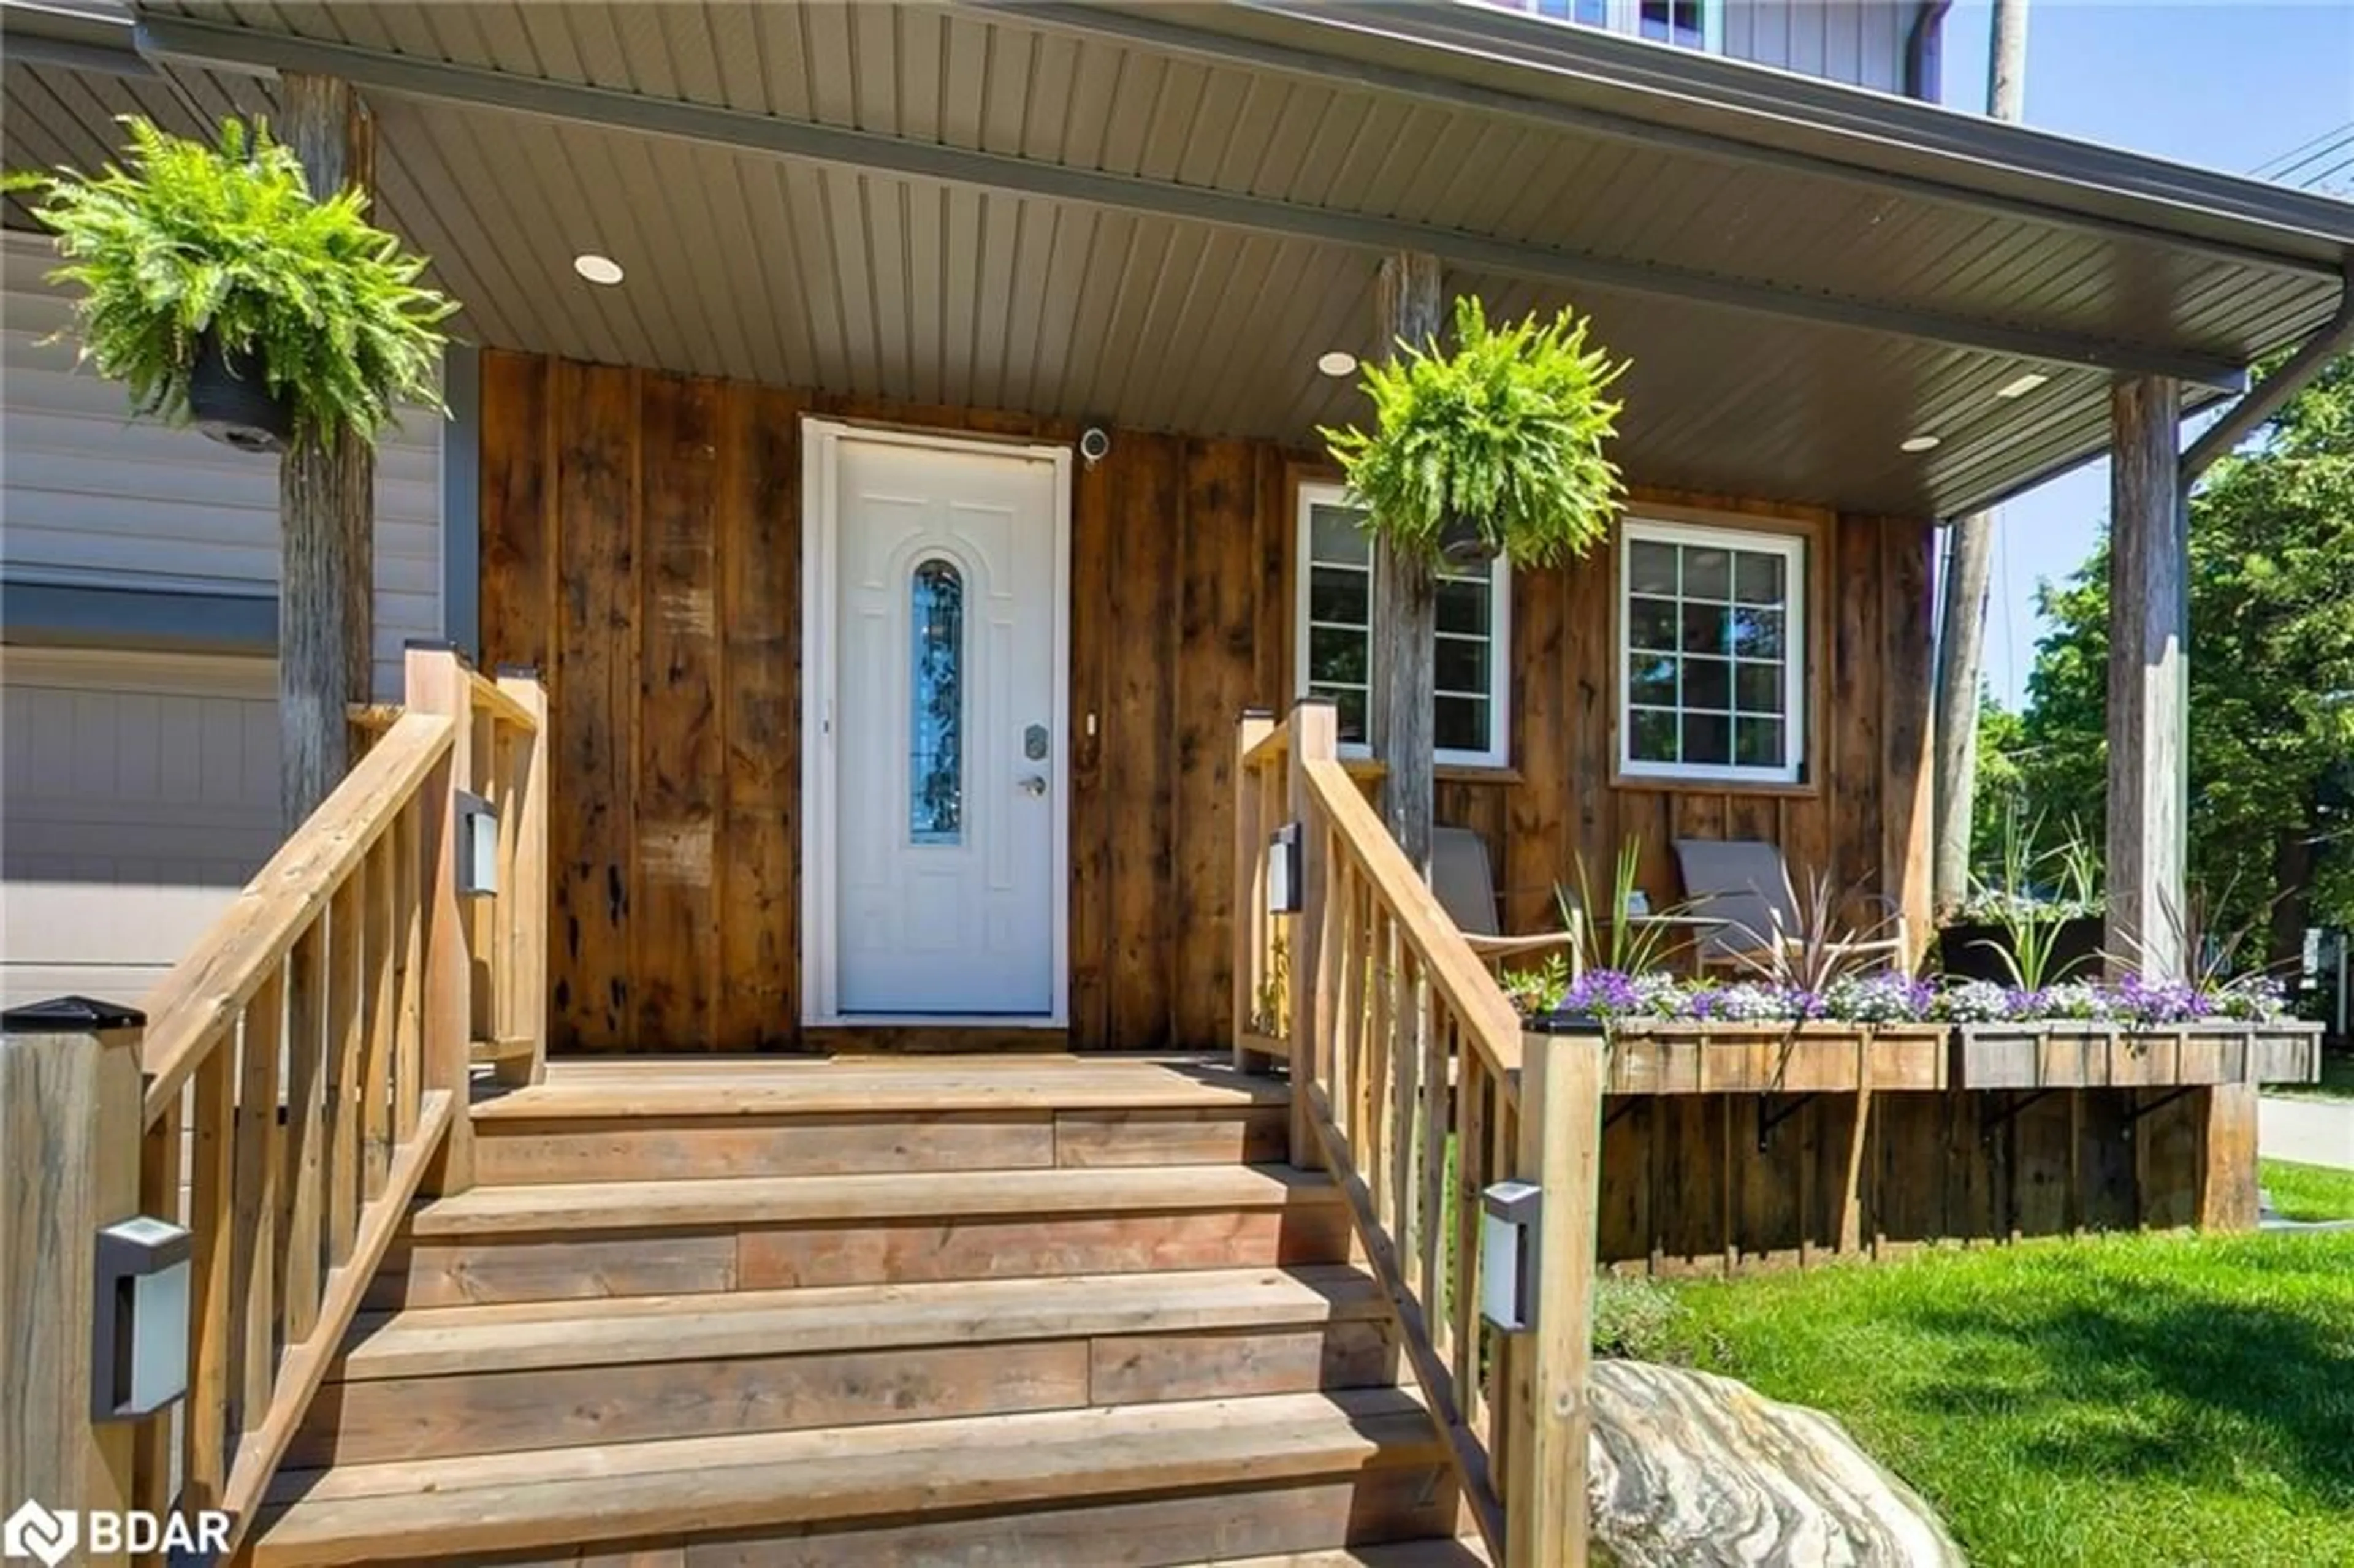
141	793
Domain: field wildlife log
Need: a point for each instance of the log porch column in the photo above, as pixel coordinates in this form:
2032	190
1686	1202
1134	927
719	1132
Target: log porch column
327	505
2149	574
1405	597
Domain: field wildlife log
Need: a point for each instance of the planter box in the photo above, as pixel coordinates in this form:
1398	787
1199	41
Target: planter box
1968	951
2068	1054
1654	1057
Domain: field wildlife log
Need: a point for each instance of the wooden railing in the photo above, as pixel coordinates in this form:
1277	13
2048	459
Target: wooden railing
1414	1083
305	1071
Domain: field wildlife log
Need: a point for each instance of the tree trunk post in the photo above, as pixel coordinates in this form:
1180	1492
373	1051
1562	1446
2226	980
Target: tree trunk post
1969	565
327	505
1406	599
2150	573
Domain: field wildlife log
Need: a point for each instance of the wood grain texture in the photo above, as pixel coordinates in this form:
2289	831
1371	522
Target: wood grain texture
608	527
1702	1183
326	504
2150	565
70	1120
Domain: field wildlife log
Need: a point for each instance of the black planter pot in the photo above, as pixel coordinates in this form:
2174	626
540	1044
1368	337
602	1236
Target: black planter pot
1463	544
229	400
1974	951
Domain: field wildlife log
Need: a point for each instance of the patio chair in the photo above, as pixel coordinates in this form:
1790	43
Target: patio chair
1738	898
1466	887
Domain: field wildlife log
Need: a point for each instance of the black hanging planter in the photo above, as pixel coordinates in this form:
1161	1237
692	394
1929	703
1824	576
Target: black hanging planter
230	400
1463	544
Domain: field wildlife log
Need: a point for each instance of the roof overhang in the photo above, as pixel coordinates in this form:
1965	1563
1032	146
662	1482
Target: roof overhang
1161	215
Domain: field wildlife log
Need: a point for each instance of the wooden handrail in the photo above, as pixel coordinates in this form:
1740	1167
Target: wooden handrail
493	701
192	1006
1414	1084
1467	986
307	1065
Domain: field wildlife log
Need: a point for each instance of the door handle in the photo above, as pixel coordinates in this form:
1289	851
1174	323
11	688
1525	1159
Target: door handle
1034	785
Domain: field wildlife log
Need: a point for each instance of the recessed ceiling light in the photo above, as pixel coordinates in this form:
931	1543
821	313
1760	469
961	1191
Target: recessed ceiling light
1919	443
1337	361
2023	385
596	269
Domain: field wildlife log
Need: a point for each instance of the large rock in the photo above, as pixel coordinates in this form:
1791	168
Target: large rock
1692	1469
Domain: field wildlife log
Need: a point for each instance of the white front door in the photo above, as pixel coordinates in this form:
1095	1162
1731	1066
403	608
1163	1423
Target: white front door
938	753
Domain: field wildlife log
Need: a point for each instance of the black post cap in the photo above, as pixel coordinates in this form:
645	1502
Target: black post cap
70	1015
1565	1023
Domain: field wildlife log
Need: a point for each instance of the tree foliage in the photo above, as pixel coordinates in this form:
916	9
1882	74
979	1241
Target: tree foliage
1508	431
2272	674
184	239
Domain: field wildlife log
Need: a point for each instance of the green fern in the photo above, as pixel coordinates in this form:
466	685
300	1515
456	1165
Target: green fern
1508	431
189	239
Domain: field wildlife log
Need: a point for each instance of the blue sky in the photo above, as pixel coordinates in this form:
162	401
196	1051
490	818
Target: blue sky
2227	84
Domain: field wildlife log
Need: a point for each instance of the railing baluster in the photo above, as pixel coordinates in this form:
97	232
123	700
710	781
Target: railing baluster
163	1152
382	952
1249	913
404	1079
302	1197
212	1196
347	1029
260	1165
1438	1087
526	958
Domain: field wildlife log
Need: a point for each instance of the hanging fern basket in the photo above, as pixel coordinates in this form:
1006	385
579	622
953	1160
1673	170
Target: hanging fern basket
229	400
1463	545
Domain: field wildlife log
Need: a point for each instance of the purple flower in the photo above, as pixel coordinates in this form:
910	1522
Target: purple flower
1602	994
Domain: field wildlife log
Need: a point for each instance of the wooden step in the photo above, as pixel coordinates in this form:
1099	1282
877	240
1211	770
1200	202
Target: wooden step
576	1209
655	1118
1218	1470
664	1144
1439	1552
574	1241
452	1380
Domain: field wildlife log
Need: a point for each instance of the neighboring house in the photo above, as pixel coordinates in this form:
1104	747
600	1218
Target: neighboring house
138	570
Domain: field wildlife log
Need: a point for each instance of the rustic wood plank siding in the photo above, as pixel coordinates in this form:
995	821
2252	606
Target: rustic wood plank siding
1711	1184
641	539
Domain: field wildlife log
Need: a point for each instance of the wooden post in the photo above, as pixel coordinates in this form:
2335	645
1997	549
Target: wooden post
1315	734
1249	913
327	505
2227	1156
439	683
1550	1423
1405	600
526	890
70	1125
2149	569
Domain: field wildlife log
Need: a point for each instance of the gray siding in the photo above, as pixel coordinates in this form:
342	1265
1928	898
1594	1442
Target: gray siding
142	792
1860	42
90	498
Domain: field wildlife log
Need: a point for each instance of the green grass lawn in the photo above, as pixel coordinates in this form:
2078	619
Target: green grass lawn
2337	1080
2142	1400
2308	1191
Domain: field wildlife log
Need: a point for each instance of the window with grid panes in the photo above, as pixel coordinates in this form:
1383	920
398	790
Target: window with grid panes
1712	653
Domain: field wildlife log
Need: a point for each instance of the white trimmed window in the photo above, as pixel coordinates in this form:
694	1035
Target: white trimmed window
1470	717
1712	639
1688	23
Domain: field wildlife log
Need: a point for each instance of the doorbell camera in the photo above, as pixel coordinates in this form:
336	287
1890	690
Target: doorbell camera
1095	445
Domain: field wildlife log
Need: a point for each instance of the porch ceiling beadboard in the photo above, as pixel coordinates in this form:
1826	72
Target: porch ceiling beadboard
640	546
1733	261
